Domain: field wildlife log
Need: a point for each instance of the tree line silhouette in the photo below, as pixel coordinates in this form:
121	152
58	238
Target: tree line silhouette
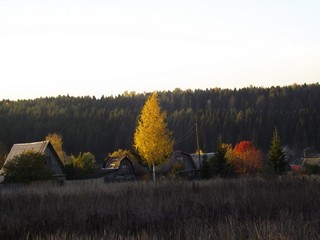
103	125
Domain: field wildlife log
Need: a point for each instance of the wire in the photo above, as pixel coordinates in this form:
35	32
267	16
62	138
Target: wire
187	134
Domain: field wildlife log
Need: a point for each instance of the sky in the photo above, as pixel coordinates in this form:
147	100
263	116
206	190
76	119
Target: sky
106	47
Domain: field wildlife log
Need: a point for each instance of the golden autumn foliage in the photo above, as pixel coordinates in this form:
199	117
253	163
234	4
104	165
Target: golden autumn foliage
246	158
152	139
56	141
229	151
122	153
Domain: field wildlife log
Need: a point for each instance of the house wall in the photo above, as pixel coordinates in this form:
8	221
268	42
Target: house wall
52	162
203	156
126	168
183	159
312	161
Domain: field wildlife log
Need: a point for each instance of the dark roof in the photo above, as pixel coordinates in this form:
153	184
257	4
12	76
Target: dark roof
312	155
114	162
189	156
165	167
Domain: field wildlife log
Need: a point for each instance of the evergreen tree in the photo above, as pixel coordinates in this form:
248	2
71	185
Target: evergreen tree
276	154
219	164
152	138
106	124
205	170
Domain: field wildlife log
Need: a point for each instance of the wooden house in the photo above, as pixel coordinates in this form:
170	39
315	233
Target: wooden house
118	169
181	164
200	158
52	161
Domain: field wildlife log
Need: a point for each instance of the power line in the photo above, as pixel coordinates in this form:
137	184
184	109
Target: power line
187	134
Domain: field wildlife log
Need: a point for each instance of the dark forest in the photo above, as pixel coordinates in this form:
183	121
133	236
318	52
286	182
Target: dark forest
103	125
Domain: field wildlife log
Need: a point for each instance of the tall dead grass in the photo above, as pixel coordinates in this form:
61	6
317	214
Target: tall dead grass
250	208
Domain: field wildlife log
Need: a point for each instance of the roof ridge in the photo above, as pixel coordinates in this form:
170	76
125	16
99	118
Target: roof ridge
28	143
44	145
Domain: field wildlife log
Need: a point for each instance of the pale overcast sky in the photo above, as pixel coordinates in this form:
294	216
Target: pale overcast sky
104	47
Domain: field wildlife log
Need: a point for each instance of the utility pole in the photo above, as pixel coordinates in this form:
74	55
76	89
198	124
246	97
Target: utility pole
197	135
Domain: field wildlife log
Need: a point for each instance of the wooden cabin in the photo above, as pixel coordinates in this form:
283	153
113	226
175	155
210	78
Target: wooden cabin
198	159
180	164
53	161
118	169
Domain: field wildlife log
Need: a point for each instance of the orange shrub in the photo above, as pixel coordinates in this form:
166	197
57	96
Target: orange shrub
247	158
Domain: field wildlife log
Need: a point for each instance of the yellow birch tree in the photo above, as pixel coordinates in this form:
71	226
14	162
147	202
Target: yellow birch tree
152	138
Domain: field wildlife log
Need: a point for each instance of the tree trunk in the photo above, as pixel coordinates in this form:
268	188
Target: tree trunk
154	172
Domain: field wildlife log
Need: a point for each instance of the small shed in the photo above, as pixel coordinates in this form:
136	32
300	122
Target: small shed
180	163
44	147
118	168
198	159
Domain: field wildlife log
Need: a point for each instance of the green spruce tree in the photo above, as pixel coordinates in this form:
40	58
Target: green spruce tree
219	165
205	170
276	154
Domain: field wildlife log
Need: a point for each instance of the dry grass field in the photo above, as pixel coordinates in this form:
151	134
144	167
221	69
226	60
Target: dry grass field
248	208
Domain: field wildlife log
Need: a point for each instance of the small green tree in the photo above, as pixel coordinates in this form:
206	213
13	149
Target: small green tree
81	165
84	161
276	154
26	167
174	171
219	164
205	170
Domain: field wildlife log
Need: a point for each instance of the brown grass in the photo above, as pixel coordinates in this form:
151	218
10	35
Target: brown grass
251	208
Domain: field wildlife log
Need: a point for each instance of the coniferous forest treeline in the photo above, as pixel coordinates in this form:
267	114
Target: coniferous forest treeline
103	125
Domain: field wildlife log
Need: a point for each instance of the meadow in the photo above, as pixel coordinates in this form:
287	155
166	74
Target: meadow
247	208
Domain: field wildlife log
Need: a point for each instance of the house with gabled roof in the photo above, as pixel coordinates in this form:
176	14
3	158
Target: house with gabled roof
53	161
116	169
